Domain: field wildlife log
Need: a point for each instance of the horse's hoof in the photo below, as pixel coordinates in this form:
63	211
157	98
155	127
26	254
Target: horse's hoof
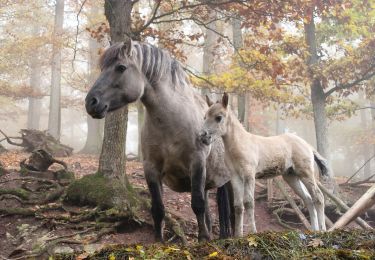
204	238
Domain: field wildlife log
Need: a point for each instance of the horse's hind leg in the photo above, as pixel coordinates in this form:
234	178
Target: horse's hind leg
249	189
317	197
157	208
297	186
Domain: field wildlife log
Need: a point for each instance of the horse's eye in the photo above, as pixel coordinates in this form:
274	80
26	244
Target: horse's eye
121	68
218	118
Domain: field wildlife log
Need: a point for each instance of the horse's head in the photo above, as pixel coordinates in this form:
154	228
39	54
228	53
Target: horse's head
120	82
215	120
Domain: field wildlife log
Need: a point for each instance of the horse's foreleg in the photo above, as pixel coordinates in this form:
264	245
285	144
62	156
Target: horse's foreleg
207	214
299	188
249	189
198	204
157	208
238	195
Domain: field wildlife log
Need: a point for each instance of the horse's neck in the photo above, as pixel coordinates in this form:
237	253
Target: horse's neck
235	132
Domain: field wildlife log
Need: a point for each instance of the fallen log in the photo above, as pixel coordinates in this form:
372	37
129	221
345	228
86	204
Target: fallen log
365	202
34	139
292	203
342	206
40	160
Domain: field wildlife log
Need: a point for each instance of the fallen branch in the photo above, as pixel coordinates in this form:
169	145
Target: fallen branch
360	168
281	222
365	202
341	205
293	204
365	181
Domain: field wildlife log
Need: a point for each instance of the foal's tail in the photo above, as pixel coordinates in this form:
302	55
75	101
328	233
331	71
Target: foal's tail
322	164
222	200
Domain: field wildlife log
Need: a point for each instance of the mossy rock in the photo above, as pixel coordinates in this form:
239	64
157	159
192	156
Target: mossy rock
63	175
98	191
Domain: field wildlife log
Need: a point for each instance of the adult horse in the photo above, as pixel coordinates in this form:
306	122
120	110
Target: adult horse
173	153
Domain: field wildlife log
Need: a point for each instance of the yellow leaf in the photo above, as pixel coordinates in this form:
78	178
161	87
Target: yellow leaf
252	241
213	254
316	242
111	257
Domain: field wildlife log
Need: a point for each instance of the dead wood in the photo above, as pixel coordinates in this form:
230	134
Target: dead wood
292	203
35	139
365	202
342	206
40	160
365	181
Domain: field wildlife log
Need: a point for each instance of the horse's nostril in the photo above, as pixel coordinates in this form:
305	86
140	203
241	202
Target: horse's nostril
204	133
94	101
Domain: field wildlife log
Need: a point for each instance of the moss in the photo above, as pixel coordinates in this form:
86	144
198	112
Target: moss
98	191
63	175
21	193
340	244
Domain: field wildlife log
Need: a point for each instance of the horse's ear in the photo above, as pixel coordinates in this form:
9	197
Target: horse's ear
127	47
209	101
225	100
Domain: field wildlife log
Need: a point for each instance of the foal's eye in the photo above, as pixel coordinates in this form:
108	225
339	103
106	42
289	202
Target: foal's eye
218	118
121	68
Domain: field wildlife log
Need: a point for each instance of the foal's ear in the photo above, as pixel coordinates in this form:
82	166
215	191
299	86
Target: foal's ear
225	100
127	47
209	101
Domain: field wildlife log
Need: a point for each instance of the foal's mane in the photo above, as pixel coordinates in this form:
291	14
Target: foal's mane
155	63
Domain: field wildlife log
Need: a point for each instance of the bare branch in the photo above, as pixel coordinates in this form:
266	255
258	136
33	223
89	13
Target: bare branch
77	30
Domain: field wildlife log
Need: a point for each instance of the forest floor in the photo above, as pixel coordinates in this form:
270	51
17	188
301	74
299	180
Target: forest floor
29	234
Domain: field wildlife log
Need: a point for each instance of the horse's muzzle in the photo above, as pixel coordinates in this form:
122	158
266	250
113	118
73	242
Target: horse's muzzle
95	108
205	137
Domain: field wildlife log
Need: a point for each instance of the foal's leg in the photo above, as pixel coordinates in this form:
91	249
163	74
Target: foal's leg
207	214
238	196
300	189
318	199
249	189
198	204
153	179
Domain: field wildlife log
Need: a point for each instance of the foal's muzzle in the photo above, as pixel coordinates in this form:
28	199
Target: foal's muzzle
205	137
95	108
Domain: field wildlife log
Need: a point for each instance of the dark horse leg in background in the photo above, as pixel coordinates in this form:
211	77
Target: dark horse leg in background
224	200
207	213
157	208
198	202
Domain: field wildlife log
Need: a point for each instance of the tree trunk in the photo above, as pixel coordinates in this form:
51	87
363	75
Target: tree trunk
112	159
210	41
318	97
366	154
94	126
33	115
54	119
373	119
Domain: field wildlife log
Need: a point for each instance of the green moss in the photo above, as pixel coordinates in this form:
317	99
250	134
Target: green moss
98	191
64	175
340	244
23	194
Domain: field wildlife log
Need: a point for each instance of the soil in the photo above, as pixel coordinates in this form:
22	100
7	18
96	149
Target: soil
17	234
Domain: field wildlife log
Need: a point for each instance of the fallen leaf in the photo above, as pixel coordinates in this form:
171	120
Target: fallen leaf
252	241
315	242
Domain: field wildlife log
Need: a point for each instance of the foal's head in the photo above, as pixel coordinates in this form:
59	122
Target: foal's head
215	120
120	82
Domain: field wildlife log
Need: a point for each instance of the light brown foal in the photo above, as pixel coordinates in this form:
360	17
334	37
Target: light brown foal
251	157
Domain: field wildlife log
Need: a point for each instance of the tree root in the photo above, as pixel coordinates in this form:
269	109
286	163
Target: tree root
281	222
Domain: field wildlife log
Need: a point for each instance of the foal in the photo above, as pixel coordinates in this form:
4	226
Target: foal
251	157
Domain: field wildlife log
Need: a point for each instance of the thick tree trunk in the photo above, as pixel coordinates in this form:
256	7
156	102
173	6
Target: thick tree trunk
33	115
112	159
54	119
318	97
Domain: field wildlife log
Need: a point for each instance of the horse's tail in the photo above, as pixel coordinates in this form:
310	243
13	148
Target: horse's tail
223	204
322	164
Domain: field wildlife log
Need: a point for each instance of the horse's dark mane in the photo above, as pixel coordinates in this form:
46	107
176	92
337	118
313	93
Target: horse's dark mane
154	62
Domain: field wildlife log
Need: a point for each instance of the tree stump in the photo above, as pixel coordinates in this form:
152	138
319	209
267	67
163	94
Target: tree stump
40	161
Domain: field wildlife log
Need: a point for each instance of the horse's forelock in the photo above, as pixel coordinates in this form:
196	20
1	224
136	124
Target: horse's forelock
110	56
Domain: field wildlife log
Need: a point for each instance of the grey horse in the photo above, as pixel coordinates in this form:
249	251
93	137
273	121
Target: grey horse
171	145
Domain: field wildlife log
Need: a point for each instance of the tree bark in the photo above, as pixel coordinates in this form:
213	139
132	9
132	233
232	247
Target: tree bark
112	161
318	97
365	146
33	115
210	41
54	119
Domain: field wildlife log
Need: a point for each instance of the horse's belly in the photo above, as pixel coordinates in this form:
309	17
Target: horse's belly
177	183
270	172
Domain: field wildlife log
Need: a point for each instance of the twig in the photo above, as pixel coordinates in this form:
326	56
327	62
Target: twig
351	177
77	30
367	180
